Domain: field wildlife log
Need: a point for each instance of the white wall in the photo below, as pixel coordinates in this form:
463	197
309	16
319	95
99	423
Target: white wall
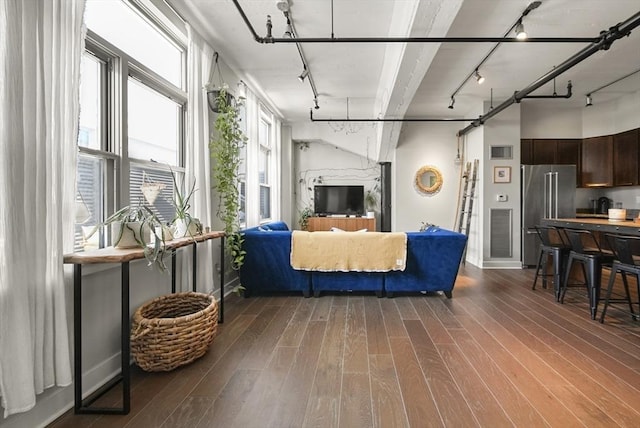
423	144
502	130
318	162
355	137
550	119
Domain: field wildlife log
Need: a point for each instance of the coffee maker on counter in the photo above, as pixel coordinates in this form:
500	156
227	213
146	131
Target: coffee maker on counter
603	205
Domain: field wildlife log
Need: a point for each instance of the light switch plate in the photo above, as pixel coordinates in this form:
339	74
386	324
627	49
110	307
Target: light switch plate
502	197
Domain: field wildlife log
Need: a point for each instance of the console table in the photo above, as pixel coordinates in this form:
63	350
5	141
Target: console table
349	224
124	256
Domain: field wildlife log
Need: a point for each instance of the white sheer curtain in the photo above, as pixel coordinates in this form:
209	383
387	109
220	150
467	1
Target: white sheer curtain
197	160
41	43
253	197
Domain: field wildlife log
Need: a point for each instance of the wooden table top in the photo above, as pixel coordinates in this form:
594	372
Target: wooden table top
121	255
596	224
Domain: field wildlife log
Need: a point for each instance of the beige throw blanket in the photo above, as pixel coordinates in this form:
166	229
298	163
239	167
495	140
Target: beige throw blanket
348	251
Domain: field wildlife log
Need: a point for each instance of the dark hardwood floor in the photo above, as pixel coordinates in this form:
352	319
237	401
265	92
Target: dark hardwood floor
496	354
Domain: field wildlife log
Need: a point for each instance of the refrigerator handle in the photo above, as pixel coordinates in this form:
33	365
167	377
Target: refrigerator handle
547	195
555	194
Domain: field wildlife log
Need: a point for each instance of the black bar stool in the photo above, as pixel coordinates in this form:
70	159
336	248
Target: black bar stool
552	244
623	248
586	250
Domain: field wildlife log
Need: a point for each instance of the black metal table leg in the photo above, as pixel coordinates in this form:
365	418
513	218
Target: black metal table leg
126	343
82	406
194	266
173	271
77	336
221	308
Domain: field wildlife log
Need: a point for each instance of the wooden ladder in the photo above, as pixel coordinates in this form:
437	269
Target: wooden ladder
466	206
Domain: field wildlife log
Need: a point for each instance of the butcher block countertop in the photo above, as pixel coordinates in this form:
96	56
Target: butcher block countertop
627	227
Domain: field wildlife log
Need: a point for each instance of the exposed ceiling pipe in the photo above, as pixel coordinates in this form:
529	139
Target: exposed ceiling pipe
270	39
605	40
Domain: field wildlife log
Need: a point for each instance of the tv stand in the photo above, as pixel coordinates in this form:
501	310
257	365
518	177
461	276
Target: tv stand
350	224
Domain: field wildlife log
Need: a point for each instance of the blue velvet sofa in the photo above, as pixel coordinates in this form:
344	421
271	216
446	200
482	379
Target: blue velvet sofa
433	258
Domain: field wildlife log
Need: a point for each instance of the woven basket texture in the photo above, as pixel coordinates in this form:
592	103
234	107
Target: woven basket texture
173	330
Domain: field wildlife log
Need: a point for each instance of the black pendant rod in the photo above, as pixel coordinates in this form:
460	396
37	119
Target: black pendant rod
415	119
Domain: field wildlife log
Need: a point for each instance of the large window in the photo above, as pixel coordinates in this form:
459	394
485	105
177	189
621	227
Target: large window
132	115
264	165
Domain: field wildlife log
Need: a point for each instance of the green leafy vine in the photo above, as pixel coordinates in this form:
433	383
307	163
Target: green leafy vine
225	153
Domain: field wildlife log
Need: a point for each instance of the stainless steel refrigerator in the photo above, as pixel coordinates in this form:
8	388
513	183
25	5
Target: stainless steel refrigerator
548	191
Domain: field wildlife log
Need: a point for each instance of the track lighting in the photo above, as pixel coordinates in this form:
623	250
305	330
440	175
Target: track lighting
453	101
520	33
288	32
303	75
315	101
478	77
589	102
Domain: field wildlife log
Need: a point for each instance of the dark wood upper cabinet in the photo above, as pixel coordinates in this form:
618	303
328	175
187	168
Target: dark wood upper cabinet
625	158
544	152
597	161
569	153
526	152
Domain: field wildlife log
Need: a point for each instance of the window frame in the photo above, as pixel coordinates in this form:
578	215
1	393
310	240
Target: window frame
117	67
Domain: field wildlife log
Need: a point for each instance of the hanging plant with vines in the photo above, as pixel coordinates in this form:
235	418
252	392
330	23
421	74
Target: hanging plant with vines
225	153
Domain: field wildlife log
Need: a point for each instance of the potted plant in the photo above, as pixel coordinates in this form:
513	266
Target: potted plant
183	223
371	198
304	217
225	153
137	226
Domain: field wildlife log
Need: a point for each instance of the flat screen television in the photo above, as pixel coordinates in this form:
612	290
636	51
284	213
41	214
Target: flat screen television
332	200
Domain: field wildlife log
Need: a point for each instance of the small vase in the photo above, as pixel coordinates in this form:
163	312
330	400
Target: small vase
129	234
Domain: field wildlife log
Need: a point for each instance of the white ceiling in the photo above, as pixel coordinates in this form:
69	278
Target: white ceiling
416	81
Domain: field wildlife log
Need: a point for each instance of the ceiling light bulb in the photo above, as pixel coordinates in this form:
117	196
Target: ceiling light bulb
589	102
479	78
453	101
303	75
520	33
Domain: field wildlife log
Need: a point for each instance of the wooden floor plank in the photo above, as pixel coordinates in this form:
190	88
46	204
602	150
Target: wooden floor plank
289	408
355	405
228	403
450	402
355	342
258	356
323	407
514	404
418	401
386	399
258	405
405	307
292	335
377	339
392	318
437	332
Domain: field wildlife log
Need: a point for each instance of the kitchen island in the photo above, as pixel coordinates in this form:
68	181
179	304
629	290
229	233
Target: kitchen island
627	227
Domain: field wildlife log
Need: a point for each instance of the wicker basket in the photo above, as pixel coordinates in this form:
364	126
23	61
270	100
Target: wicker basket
173	330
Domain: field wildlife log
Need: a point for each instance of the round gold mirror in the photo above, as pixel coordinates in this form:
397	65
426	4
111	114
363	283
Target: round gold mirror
428	179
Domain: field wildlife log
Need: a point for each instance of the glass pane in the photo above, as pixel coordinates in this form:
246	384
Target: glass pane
263	133
153	125
156	179
89	134
265	202
89	202
263	166
121	25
